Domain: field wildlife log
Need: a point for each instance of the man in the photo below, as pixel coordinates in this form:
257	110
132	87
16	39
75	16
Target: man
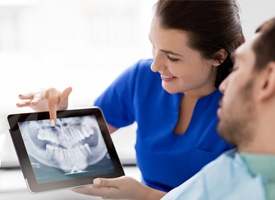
246	120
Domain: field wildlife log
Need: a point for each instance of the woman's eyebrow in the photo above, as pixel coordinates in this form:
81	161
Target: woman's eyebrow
170	52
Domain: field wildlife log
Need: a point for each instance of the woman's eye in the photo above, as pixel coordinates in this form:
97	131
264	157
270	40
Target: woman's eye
172	59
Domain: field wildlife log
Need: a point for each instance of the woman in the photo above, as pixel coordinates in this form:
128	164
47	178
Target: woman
173	97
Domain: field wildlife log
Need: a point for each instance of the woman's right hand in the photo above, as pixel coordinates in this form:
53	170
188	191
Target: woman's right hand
46	100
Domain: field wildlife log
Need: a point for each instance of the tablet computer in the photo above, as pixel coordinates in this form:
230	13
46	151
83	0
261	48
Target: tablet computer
76	150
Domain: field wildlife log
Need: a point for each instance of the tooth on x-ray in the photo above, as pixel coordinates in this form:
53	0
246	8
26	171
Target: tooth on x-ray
71	145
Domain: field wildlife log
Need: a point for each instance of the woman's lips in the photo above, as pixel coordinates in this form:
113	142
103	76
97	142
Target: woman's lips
167	78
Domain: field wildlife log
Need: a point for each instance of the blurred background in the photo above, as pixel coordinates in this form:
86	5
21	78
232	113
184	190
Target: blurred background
81	43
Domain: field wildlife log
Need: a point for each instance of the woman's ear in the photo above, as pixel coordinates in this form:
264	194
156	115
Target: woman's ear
267	82
219	57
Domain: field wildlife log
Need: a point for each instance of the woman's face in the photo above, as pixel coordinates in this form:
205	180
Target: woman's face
182	69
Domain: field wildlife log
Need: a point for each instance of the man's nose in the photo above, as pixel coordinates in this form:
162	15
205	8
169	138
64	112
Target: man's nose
223	85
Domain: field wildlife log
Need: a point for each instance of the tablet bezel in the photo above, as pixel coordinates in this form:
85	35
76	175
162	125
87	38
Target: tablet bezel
24	160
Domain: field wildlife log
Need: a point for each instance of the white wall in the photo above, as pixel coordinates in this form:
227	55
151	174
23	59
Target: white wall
58	43
80	43
255	12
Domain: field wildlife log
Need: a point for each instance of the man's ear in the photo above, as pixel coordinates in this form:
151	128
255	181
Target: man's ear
267	82
219	57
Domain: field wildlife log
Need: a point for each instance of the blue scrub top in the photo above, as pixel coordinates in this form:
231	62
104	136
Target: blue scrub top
165	159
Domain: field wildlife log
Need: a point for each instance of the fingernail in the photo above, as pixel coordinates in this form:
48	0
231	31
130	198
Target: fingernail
96	181
52	122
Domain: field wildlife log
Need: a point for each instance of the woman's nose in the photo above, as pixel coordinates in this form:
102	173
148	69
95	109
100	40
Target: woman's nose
158	63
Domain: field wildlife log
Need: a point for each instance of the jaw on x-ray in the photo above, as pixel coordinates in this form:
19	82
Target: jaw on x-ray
71	145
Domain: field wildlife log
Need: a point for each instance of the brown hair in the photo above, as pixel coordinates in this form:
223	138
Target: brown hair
264	45
211	25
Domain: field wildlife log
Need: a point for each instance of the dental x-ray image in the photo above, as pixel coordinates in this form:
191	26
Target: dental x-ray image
74	147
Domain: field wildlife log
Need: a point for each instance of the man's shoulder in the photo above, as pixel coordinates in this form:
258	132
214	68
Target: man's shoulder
228	156
226	177
230	161
230	173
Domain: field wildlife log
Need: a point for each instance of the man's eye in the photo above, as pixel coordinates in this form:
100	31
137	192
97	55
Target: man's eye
172	59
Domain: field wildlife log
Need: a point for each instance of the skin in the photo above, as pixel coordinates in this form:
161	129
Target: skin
261	99
244	90
261	92
182	70
43	100
238	114
50	100
120	188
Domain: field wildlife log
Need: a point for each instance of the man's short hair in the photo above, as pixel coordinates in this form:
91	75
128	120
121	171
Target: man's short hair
264	45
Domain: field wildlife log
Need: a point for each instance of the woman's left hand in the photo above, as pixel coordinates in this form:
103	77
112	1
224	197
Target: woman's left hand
120	188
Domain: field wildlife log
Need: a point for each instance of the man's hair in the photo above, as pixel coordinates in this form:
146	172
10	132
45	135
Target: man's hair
264	45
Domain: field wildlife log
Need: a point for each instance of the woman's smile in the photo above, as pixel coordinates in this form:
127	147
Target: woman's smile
167	78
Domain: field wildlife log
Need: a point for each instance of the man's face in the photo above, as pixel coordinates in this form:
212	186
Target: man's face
236	113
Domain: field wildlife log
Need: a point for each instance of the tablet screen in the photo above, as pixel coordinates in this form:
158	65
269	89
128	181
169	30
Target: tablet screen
71	153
